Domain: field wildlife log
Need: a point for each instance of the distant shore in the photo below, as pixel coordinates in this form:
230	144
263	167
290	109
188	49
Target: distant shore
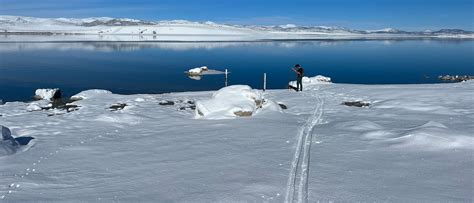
85	37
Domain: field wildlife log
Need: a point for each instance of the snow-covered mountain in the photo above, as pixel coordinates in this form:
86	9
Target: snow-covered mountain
104	26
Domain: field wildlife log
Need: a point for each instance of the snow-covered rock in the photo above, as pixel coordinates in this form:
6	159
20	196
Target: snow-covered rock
90	94
47	94
319	79
233	101
197	71
39	105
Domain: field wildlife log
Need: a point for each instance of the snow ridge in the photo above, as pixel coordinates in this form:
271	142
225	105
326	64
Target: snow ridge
301	158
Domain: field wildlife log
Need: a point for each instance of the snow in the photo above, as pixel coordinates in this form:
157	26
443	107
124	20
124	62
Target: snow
319	79
384	30
231	101
46	94
131	30
197	71
38	105
288	26
413	143
90	94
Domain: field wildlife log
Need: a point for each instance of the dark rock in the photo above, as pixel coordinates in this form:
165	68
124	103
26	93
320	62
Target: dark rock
116	107
63	105
55	114
166	103
192	107
23	140
190	102
456	78
57	94
282	106
356	103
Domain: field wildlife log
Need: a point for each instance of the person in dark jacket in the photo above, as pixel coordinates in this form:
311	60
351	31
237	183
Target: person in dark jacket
299	77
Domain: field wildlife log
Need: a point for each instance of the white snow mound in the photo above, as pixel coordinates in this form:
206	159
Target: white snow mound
319	79
46	94
90	94
233	101
38	105
198	70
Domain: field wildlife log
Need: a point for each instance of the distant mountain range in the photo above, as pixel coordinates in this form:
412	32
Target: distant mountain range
126	26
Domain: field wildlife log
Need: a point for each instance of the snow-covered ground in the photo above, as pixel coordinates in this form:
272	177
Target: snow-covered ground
31	29
413	143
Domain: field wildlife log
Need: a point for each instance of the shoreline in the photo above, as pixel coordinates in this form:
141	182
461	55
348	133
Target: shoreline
29	37
258	88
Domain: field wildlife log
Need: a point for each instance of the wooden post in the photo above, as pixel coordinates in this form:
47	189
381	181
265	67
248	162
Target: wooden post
264	81
226	72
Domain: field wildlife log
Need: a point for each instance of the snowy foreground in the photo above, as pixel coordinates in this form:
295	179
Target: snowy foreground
413	143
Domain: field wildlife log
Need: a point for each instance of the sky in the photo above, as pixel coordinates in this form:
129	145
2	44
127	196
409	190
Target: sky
356	14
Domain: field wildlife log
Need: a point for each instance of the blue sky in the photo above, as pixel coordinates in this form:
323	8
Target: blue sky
361	14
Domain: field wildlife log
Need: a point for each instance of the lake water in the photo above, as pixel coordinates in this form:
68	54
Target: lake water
149	67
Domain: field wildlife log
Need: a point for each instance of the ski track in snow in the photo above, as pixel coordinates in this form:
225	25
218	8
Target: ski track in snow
301	160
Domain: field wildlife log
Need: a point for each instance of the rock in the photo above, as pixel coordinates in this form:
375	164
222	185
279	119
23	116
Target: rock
456	78
192	107
59	104
116	107
243	113
64	105
166	103
197	71
282	106
55	114
234	101
75	99
356	103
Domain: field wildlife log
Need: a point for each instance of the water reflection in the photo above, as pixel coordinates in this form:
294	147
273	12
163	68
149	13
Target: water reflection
195	77
136	46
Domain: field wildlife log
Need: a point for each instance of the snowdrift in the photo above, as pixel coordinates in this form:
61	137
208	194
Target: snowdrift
90	94
233	101
319	79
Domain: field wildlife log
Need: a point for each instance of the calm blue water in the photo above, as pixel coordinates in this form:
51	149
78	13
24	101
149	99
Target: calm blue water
147	67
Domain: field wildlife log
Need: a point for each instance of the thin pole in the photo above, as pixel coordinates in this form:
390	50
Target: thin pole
264	81
226	72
